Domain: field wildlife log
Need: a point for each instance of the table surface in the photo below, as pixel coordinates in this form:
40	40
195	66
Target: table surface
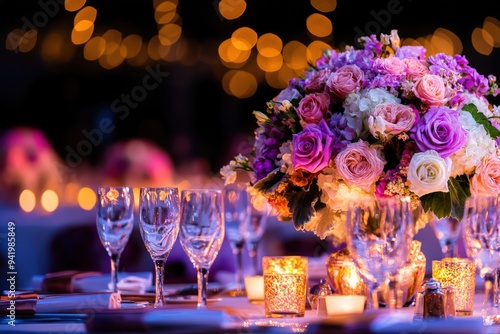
89	313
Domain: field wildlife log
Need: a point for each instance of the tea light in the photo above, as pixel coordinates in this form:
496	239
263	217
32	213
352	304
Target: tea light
459	273
344	304
285	286
254	286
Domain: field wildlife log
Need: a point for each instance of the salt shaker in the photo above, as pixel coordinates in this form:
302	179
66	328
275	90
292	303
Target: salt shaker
434	300
317	294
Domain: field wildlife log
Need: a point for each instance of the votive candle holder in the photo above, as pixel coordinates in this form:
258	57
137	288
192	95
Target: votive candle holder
285	286
459	273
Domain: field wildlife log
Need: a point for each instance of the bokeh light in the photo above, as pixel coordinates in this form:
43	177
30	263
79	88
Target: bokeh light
49	200
27	200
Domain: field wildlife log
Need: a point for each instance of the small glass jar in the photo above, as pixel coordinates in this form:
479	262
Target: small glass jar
433	300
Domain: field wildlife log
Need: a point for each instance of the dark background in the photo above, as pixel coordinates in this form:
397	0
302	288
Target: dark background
190	115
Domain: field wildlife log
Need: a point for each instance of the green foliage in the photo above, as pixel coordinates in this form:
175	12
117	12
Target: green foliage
448	204
268	183
301	204
481	118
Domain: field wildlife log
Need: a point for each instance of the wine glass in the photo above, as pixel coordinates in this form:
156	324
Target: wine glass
237	210
379	232
253	228
201	232
447	231
481	224
115	221
159	211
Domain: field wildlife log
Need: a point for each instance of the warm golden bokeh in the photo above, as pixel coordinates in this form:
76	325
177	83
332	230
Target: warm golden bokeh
319	25
492	26
74	5
87	198
49	200
324	6
269	45
482	41
244	38
232	9
27	200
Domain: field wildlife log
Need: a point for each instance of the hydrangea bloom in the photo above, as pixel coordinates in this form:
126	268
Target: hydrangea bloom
384	120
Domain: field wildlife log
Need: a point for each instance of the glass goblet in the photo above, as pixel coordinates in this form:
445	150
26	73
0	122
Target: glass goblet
481	224
115	221
254	228
379	235
237	210
159	211
447	231
201	232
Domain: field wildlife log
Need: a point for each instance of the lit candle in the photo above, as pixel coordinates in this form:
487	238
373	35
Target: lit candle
461	275
254	286
285	286
344	304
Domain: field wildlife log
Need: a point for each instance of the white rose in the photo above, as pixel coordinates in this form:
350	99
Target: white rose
428	173
478	145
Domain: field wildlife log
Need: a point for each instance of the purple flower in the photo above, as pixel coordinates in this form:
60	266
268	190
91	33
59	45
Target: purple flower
439	129
342	133
267	144
411	52
312	148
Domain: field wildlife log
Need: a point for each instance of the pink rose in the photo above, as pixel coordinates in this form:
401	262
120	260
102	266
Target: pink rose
486	180
431	90
393	65
347	79
389	119
316	83
359	165
312	147
414	67
313	107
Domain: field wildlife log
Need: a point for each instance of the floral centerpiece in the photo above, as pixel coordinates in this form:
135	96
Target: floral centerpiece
383	120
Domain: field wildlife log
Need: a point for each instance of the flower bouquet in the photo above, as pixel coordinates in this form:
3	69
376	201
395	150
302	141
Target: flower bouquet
384	120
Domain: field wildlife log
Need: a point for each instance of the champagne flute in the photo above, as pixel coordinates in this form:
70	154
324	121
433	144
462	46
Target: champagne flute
255	227
201	232
379	235
447	231
237	211
115	221
159	226
481	223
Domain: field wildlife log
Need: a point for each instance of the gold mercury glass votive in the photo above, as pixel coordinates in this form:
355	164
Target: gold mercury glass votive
285	286
460	273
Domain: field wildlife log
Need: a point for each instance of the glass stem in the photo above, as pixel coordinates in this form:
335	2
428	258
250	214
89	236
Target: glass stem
450	248
160	271
115	261
372	298
239	270
489	297
496	288
252	252
202	275
391	300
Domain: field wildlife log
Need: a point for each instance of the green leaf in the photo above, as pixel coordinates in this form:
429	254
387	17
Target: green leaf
481	118
459	190
437	202
269	183
301	204
451	203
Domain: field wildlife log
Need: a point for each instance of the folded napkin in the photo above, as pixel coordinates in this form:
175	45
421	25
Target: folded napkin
63	281
18	303
83	303
71	281
133	284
